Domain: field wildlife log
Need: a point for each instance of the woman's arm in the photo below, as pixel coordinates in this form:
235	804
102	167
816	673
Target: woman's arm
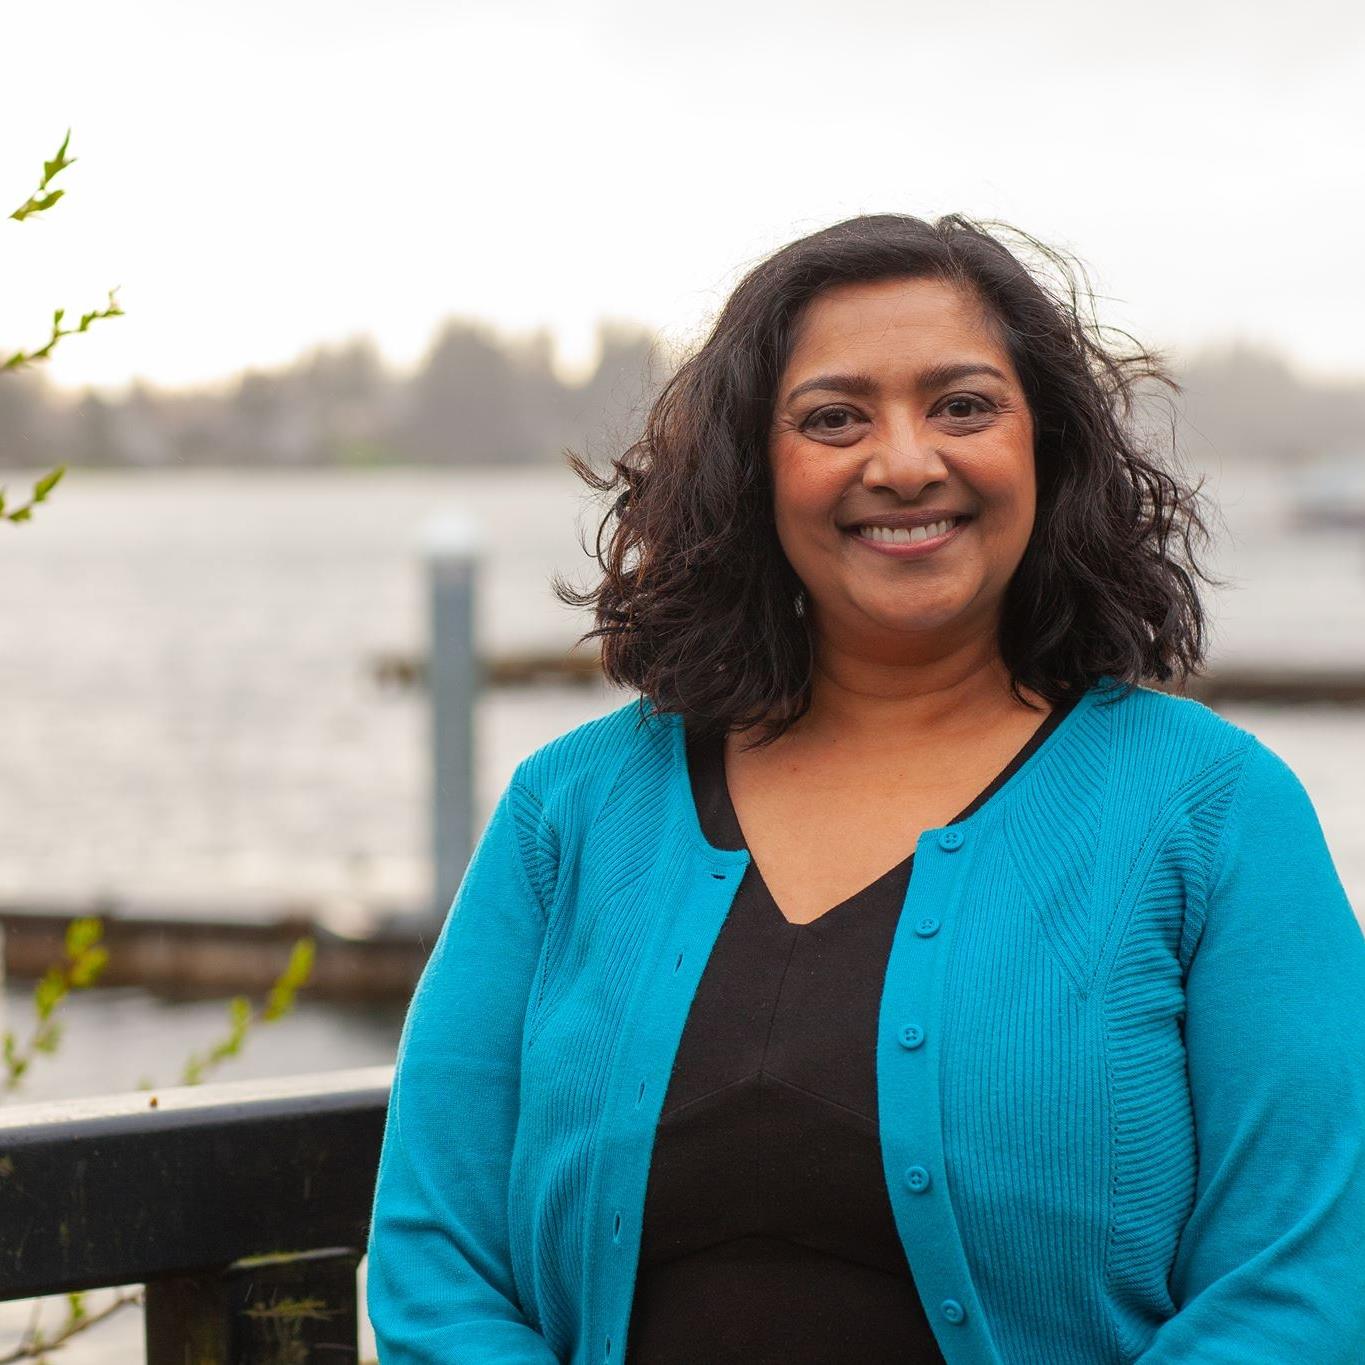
439	1283
1271	1264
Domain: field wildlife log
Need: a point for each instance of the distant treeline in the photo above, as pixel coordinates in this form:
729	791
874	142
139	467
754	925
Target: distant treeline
478	398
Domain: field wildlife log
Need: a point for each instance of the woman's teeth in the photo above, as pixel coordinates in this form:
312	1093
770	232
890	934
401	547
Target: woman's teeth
902	536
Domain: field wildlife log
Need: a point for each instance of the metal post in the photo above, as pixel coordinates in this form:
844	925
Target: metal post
453	678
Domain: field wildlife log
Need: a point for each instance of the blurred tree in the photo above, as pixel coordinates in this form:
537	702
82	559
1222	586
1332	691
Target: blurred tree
611	406
463	404
1247	402
348	397
95	437
25	421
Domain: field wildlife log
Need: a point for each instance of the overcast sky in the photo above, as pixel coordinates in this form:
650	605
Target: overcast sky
261	175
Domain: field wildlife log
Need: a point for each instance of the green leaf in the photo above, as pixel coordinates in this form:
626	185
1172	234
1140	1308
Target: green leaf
46	484
83	933
60	161
295	975
88	966
34	204
23	514
48	993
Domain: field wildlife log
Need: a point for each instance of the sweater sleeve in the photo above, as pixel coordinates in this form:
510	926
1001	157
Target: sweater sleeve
439	1286
1271	1263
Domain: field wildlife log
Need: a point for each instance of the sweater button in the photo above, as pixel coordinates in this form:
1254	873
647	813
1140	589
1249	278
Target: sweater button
911	1035
927	926
951	839
917	1179
952	1310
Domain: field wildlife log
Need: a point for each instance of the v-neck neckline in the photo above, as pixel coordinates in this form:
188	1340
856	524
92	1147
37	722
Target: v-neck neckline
719	823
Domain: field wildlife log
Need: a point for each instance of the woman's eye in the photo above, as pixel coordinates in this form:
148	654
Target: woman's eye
817	420
973	406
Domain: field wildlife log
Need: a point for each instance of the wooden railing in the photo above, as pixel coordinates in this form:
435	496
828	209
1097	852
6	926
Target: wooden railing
242	1207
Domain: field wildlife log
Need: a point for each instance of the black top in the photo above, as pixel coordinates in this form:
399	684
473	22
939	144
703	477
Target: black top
768	1234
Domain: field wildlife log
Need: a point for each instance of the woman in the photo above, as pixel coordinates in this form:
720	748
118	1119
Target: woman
699	1071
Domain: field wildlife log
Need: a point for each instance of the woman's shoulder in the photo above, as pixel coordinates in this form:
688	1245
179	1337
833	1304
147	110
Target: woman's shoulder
1188	755
1138	762
577	769
1164	782
1179	733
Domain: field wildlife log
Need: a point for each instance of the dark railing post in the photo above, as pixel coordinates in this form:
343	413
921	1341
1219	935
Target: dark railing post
264	1310
187	1320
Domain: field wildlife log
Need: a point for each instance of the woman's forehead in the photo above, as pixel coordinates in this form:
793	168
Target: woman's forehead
902	321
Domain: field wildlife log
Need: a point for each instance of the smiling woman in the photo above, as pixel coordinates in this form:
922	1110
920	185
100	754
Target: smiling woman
885	982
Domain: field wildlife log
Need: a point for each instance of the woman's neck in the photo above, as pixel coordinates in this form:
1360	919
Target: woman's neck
858	703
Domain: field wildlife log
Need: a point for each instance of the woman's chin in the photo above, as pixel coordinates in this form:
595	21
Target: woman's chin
892	622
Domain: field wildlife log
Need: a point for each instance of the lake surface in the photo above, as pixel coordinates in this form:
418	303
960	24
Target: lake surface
192	720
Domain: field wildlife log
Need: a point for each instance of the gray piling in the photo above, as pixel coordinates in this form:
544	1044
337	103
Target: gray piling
451	546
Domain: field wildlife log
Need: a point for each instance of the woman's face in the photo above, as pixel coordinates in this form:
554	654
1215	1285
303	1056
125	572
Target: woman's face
898	399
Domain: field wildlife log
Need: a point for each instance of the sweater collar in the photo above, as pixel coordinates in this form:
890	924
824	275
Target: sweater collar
1104	688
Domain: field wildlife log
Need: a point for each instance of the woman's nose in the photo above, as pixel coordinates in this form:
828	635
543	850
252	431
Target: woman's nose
904	454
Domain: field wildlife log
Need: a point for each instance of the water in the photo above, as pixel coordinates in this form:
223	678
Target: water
192	720
189	654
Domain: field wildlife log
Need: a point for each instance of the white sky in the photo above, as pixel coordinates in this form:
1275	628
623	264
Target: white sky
261	175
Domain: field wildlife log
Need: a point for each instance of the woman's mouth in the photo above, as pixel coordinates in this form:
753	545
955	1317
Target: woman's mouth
908	542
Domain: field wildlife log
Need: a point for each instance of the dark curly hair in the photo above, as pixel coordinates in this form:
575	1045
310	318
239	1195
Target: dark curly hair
700	611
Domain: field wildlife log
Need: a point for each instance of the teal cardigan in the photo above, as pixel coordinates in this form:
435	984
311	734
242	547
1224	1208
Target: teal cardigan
1120	1057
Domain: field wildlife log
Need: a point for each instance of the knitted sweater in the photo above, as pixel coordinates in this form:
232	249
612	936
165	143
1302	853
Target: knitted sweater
1120	1059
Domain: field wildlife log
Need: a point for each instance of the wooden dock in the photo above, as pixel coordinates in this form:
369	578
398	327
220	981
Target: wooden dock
1278	686
1289	685
210	956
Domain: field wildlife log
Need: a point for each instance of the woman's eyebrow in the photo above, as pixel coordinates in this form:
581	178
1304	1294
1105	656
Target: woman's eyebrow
862	385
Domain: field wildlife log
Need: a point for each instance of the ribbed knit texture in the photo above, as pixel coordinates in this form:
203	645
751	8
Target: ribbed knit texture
1134	1130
